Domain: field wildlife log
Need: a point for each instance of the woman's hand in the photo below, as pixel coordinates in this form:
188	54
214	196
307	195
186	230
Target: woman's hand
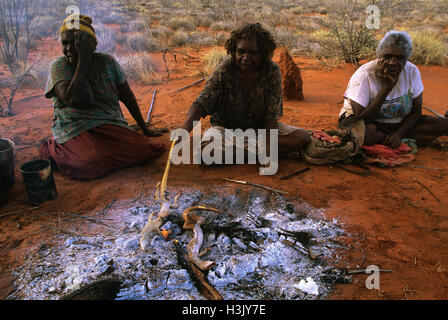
393	140
84	44
150	133
388	78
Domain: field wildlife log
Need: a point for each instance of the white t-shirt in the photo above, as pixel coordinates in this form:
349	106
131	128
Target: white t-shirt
364	86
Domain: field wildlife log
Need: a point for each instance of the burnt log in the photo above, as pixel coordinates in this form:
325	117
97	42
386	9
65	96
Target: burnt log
197	276
106	289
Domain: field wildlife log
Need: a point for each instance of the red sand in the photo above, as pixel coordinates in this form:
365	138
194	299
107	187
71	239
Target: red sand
394	222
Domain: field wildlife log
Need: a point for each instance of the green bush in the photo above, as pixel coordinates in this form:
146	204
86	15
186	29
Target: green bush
429	48
350	45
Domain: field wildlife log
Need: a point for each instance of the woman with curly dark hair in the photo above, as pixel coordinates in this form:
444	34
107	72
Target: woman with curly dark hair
245	91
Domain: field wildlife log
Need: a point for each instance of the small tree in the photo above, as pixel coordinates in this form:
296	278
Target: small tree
19	21
345	33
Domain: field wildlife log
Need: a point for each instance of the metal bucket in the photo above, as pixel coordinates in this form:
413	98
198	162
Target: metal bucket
6	163
39	181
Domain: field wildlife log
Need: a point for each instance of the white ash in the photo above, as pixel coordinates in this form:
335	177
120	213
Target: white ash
252	261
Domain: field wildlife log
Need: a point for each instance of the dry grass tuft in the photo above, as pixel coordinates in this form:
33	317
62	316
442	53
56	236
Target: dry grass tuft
211	60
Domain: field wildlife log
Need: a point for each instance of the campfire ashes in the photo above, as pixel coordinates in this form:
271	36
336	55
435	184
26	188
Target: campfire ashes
262	250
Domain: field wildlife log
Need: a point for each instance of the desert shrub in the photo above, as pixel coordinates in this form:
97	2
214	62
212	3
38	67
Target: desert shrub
211	60
304	23
177	23
222	26
39	74
429	48
221	38
180	39
204	22
284	37
160	32
142	42
114	18
139	67
106	38
296	10
135	26
48	26
201	39
345	34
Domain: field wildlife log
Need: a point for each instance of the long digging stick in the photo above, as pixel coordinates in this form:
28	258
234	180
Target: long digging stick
190	85
435	112
152	104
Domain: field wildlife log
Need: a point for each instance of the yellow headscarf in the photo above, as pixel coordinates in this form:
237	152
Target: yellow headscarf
85	24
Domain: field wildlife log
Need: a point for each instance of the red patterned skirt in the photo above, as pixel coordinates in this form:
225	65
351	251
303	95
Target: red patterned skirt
100	150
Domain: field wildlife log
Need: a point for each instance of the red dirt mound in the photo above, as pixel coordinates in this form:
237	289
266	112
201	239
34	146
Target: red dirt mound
292	83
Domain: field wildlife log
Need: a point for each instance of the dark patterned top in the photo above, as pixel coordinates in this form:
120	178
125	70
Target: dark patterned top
222	97
68	122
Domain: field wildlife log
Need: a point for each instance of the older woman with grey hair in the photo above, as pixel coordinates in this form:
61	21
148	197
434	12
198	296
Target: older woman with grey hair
387	94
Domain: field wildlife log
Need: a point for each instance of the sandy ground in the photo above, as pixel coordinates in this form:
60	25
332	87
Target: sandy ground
393	221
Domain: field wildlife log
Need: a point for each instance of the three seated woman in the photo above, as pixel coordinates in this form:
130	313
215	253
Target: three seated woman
91	136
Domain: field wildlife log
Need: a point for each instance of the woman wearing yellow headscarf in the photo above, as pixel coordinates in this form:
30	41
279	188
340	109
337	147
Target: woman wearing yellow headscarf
90	135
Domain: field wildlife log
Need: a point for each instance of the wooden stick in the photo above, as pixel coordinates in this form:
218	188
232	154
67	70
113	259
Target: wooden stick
255	185
421	167
189	85
427	189
105	210
435	112
65	231
294	174
152	104
17	211
198	277
364	271
83	217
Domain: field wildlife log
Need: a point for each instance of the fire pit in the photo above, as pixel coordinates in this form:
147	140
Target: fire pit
261	245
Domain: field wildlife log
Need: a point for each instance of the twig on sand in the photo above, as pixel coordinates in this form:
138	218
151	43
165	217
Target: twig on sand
438	200
190	85
421	167
17	211
363	257
364	271
73	233
83	217
255	185
105	210
294	174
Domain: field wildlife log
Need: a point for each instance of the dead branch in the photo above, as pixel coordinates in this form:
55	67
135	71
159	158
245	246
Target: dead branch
198	277
438	200
294	174
105	210
192	221
17	211
364	271
189	85
82	217
73	233
255	185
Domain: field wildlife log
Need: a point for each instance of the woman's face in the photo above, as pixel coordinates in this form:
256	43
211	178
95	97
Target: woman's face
68	46
248	56
394	59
